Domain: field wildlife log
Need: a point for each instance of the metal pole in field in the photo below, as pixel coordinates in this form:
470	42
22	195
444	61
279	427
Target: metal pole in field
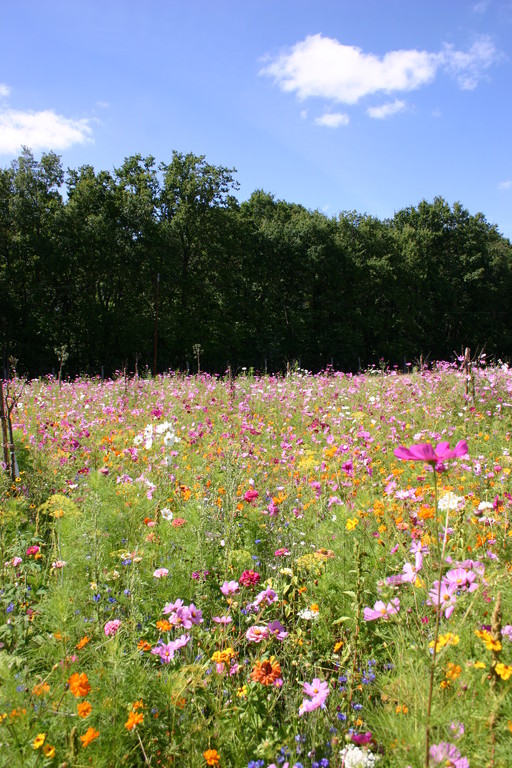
156	322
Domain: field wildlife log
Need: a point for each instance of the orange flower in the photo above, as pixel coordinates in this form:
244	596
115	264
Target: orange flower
212	757
266	671
84	709
143	645
82	642
134	718
79	685
163	625
40	689
89	736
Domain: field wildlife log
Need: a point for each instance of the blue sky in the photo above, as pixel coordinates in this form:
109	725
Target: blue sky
367	105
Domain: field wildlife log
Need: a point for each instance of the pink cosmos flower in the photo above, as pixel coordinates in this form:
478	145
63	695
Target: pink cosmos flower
444	596
463	579
251	495
111	627
222	619
165	651
317	690
382	611
172	607
267	596
282	552
230	588
445	753
160	573
14	562
435	457
33	550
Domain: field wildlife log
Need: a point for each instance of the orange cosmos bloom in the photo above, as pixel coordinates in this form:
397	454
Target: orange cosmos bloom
79	684
212	757
134	718
82	642
266	671
89	736
84	709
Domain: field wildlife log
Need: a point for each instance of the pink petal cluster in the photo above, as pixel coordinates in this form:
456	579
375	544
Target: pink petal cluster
180	615
111	627
166	651
382	611
435	457
317	691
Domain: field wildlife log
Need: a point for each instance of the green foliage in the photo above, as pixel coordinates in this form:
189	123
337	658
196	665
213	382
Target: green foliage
256	284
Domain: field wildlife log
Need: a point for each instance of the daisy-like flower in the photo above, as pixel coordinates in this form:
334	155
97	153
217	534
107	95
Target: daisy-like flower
443	596
39	740
267	672
257	634
317	690
382	610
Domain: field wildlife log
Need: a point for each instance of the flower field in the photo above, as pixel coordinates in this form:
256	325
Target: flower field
259	572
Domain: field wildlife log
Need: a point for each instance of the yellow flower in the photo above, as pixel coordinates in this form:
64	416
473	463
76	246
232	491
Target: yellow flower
49	750
351	523
242	691
479	665
338	646
39	740
452	671
503	670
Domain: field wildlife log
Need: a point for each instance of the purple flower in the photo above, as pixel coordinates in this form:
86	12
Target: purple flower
276	628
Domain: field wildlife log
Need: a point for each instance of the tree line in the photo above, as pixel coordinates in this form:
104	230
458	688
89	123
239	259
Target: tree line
115	270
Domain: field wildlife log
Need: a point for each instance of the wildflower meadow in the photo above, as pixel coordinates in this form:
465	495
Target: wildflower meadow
260	571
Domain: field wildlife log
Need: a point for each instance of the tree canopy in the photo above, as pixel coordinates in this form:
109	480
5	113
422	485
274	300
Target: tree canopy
88	257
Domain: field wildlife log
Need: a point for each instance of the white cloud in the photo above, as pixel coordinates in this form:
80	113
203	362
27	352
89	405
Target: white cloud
40	130
468	67
323	67
332	119
505	184
386	110
4	89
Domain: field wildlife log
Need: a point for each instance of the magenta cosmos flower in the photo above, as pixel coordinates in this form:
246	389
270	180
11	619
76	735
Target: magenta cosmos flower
433	456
